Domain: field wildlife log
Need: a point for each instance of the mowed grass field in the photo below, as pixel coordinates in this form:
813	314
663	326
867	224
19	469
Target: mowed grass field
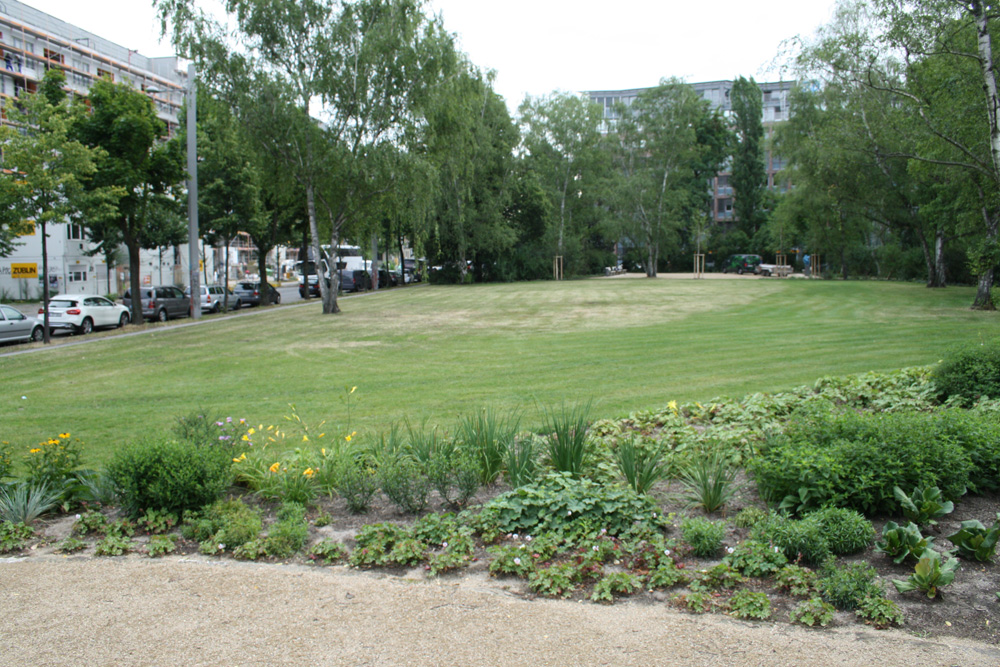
437	353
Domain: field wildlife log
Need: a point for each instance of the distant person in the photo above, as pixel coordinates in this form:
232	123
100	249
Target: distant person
806	259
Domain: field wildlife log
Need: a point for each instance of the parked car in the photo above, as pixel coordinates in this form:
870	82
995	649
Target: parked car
213	298
83	313
161	303
741	264
16	326
253	294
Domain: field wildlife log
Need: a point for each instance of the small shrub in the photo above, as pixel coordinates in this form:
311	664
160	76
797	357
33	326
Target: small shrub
797	580
405	483
113	545
161	545
748	604
513	560
756	559
798	539
378	545
703	536
748	517
14	536
975	542
846	586
356	482
230	523
902	542
924	506
930	574
846	531
289	533
455	474
812	612
970	372
6	460
615	583
328	552
154	522
880	612
169	476
52	462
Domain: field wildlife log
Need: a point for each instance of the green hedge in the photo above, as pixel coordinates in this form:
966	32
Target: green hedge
854	460
970	372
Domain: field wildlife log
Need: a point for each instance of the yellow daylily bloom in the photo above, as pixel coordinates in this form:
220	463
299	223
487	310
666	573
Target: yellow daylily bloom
251	431
275	466
352	389
308	472
246	438
673	406
322	434
305	438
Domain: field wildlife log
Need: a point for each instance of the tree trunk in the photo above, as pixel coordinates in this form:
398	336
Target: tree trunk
225	274
333	289
262	271
46	336
304	261
329	302
939	269
374	263
984	300
133	280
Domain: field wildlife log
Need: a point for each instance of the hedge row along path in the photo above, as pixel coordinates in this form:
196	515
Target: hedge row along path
195	611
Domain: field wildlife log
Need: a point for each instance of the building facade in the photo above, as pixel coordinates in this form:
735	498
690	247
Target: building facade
775	109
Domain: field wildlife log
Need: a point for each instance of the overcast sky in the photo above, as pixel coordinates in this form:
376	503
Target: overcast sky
537	46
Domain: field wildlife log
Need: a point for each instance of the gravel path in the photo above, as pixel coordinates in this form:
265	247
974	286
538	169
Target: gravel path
192	611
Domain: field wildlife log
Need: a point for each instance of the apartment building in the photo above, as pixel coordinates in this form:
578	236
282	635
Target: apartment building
775	109
31	42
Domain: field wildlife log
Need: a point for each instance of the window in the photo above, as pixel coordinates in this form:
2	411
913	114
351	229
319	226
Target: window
101	74
77	276
74	232
54	56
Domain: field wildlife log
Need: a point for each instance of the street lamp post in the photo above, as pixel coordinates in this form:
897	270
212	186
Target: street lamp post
192	167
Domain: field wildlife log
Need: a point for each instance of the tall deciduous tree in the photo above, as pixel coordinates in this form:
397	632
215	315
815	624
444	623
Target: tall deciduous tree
121	121
749	177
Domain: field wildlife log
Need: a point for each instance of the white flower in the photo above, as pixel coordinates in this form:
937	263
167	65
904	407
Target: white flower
595	547
517	561
78	517
666	552
528	538
24	398
222	547
603	530
777	550
514	536
444	545
569	512
730	549
522	547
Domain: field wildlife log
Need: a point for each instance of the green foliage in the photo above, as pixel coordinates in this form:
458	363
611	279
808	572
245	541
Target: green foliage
615	583
797	580
846	586
405	483
756	559
521	463
748	604
169	476
568	446
121	528
13	536
385	544
24	502
454	552
356	480
924	506
455	473
703	536
698	602
642	467
715	578
250	550
70	545
709	482
798	539
161	545
975	542
113	545
509	559
558	580
229	523
289	533
489	434
156	521
970	372
748	517
846	531
902	542
854	459
880	612
6	462
665	575
568	507
929	575
328	552
812	612
90	522
52	462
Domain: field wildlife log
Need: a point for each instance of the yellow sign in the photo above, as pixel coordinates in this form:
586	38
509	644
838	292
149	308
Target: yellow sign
24	270
201	265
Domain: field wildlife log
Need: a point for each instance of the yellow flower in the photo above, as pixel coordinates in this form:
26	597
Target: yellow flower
347	438
308	472
322	434
305	438
275	466
243	421
673	406
53	441
242	457
251	431
352	389
64	435
34	451
246	438
323	451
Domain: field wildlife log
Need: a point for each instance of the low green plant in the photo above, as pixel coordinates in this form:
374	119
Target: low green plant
902	542
799	539
974	541
812	612
715	578
169	476
846	531
70	545
749	604
356	481
558	580
756	559
94	486
90	522
287	535
970	372
24	502
930	574
521	461
52	462
251	550
404	481
709	482
6	459
642	467
698	602
924	506
161	545
845	586
456	475
386	544
615	583
452	553
513	560
322	518
155	522
120	527
748	517
488	434
880	612
568	445
797	580
229	523
703	536
665	575
113	545
14	536
328	552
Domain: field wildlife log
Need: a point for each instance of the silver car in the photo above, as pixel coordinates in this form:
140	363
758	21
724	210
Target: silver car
161	303
213	298
16	326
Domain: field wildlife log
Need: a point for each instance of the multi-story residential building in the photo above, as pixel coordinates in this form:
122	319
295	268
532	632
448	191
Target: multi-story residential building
775	109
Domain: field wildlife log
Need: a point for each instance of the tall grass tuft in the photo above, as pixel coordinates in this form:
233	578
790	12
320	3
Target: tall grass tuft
23	503
709	482
568	447
521	462
641	468
489	434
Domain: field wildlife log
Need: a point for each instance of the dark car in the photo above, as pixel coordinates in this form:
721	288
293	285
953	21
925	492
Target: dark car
254	294
161	303
741	264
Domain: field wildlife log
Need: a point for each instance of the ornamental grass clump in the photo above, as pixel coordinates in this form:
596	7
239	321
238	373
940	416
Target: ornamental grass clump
709	482
642	467
568	444
24	502
488	434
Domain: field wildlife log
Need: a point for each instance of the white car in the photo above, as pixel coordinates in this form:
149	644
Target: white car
84	312
14	325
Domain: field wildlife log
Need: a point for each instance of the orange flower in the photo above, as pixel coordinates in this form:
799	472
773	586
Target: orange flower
275	466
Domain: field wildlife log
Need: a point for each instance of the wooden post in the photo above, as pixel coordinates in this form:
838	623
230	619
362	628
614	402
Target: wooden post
699	265
557	267
814	268
781	259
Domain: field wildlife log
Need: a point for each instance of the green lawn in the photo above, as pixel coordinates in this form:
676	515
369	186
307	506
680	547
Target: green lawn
437	353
